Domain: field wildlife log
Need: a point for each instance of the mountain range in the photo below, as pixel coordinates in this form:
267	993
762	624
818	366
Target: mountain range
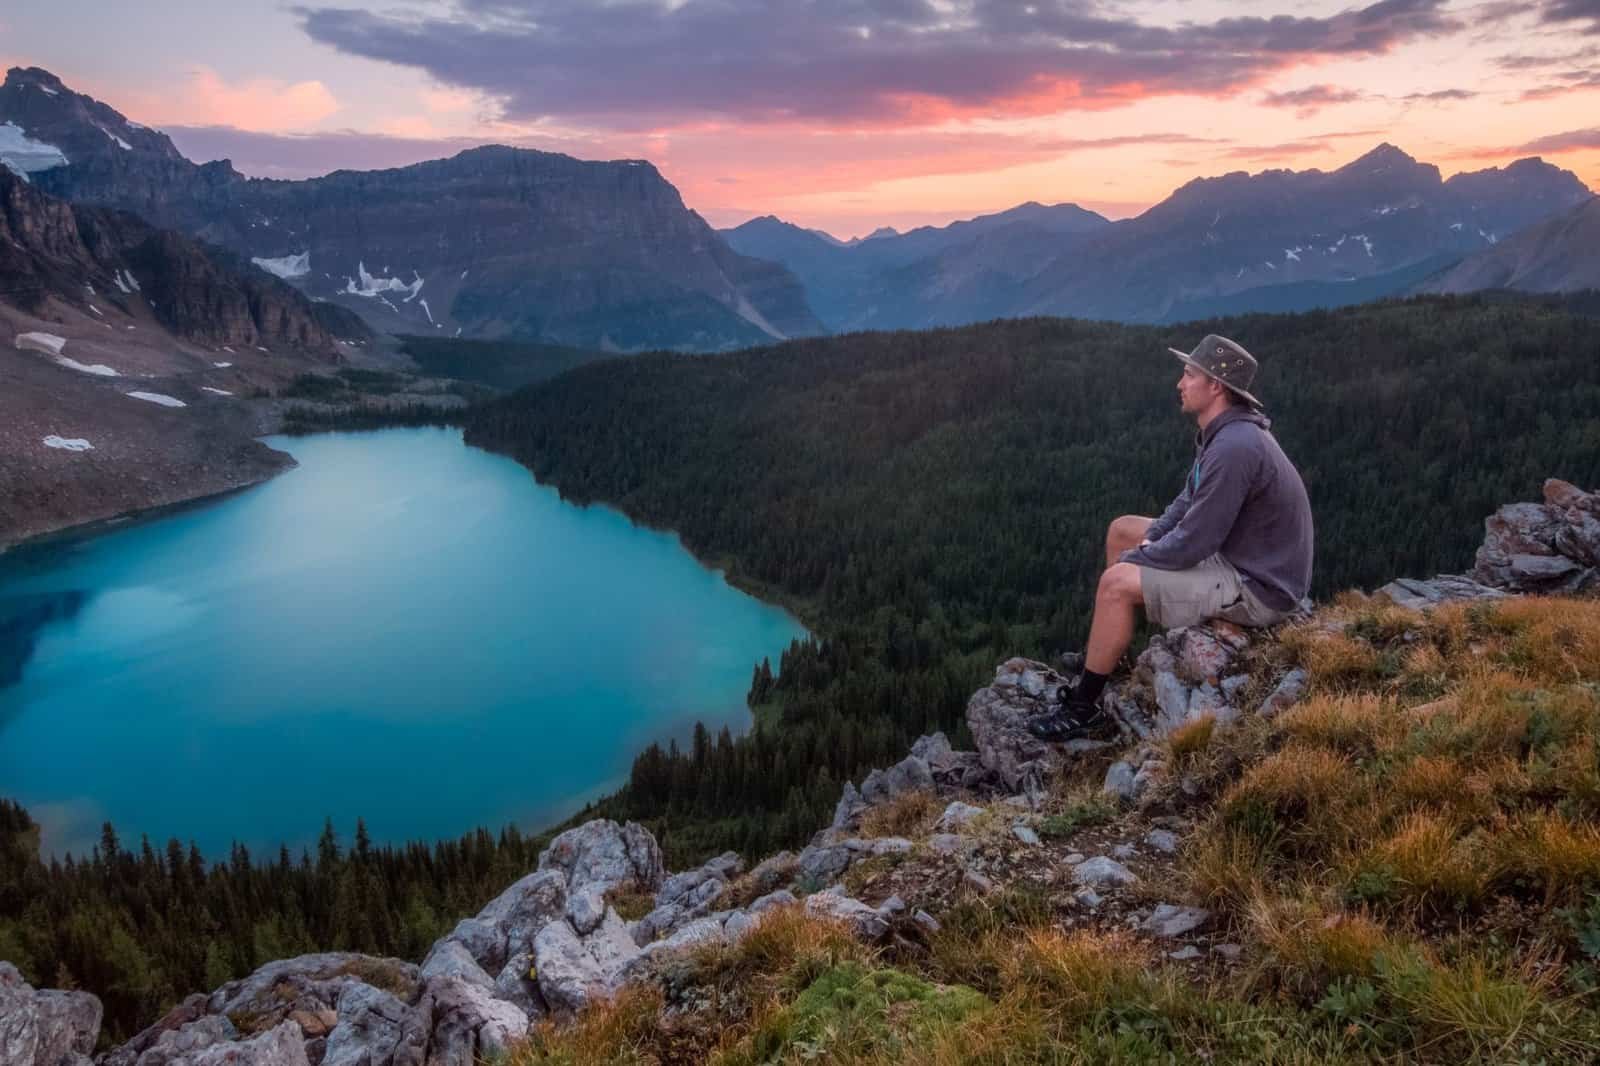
1278	240
493	242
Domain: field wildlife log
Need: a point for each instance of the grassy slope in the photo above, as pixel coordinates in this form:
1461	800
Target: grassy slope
1410	860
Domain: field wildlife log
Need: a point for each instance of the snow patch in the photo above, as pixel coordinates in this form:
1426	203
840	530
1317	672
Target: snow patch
89	288
45	89
463	275
122	286
124	145
222	366
374	287
133	282
427	312
97	311
68	444
229	350
259	348
287	266
1291	254
1269	264
98	369
23	154
158	397
1455	225
219	392
48	343
1365	243
1491	238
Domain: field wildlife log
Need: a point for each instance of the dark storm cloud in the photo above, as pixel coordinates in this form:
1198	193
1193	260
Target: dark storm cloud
638	62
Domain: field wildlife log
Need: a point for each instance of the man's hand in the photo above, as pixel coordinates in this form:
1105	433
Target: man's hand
1145	543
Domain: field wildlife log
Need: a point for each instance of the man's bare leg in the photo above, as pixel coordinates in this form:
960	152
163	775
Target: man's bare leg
1124	533
1111	631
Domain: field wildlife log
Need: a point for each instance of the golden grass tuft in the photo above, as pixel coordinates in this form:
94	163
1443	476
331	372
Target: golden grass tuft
1553	640
618	1031
910	814
1551	851
1356	725
1432	864
1075	972
1310	947
1191	737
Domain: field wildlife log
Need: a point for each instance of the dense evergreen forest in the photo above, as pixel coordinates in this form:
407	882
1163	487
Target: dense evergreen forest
929	503
500	364
142	927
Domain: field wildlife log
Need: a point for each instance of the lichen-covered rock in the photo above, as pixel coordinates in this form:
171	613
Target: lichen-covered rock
998	717
1417	595
1119	780
771	873
515	984
586	908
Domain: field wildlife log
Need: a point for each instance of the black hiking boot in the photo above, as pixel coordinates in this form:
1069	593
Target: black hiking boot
1075	720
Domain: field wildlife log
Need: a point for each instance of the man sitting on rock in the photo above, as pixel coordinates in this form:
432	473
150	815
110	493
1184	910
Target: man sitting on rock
1235	544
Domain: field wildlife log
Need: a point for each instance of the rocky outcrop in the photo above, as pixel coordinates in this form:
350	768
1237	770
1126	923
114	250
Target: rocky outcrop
45	1028
1547	547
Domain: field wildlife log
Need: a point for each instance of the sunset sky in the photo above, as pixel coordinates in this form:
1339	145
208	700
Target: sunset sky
846	114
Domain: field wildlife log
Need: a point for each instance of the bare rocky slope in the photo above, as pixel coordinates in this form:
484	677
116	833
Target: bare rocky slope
129	356
600	914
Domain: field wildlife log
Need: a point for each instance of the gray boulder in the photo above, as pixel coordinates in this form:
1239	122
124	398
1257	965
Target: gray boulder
865	922
1287	693
470	1023
45	1028
956	816
569	977
908	775
817	866
376	1029
449	958
282	1045
522	910
514	986
1101	871
603	853
1169	920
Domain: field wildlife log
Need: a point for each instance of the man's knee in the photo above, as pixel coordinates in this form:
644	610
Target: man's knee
1127	531
1120	581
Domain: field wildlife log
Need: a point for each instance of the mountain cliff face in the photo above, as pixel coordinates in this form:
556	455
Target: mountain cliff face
51	251
1560	254
493	242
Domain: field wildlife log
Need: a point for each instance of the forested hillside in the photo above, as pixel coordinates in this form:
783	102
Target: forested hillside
931	501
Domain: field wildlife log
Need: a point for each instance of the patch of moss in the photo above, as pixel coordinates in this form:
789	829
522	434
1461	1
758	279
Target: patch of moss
851	1010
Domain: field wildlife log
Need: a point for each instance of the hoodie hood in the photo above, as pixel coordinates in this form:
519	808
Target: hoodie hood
1236	413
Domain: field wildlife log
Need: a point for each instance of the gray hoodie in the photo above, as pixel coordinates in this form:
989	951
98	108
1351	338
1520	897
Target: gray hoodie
1244	500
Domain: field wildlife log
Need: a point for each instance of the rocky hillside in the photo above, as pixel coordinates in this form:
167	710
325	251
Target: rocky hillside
494	242
1371	834
129	355
1560	254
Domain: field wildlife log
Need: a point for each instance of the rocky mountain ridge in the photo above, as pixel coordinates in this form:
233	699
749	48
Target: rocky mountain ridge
556	942
1559	254
1278	240
493	242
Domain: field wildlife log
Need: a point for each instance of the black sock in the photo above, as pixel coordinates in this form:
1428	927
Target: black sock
1089	686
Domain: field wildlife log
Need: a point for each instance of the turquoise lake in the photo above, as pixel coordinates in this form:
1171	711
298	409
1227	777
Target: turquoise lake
402	628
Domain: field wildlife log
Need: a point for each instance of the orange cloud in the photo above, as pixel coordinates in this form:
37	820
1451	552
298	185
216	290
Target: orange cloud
265	105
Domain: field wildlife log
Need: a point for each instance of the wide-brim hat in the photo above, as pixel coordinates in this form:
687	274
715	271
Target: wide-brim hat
1225	361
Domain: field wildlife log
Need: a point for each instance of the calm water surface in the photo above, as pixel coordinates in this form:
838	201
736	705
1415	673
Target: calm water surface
402	628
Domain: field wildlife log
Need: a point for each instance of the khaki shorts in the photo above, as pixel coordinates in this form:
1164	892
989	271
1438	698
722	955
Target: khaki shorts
1211	589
